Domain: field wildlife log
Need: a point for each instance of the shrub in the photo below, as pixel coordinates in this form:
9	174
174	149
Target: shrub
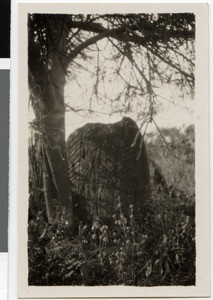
159	251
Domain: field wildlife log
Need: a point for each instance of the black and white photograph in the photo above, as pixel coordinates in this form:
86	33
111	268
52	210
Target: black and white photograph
111	109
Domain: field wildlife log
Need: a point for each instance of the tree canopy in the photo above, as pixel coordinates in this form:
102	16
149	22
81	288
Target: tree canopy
158	49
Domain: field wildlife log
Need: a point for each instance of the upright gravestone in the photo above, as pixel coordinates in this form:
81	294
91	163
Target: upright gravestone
106	168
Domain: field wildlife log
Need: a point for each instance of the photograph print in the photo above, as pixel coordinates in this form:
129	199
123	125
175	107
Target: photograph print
111	149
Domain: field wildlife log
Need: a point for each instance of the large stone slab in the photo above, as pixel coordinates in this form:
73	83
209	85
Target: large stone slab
106	168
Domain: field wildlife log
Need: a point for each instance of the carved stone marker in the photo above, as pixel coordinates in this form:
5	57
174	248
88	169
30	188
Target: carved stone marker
105	167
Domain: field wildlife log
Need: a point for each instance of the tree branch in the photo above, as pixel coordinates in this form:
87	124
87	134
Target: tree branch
124	34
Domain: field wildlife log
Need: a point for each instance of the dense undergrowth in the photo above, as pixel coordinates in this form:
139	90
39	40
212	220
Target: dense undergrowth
157	250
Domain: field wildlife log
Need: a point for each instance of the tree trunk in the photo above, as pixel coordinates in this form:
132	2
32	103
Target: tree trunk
48	189
47	93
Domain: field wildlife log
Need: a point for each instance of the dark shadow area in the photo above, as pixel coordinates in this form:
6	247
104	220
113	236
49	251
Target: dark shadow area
5	28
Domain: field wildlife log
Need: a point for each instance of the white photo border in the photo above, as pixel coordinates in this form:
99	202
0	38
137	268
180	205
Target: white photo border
202	287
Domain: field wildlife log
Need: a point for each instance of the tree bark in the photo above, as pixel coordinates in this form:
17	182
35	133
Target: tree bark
46	82
48	189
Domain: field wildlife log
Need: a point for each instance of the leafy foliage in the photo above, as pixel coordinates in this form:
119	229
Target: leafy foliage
175	153
158	249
